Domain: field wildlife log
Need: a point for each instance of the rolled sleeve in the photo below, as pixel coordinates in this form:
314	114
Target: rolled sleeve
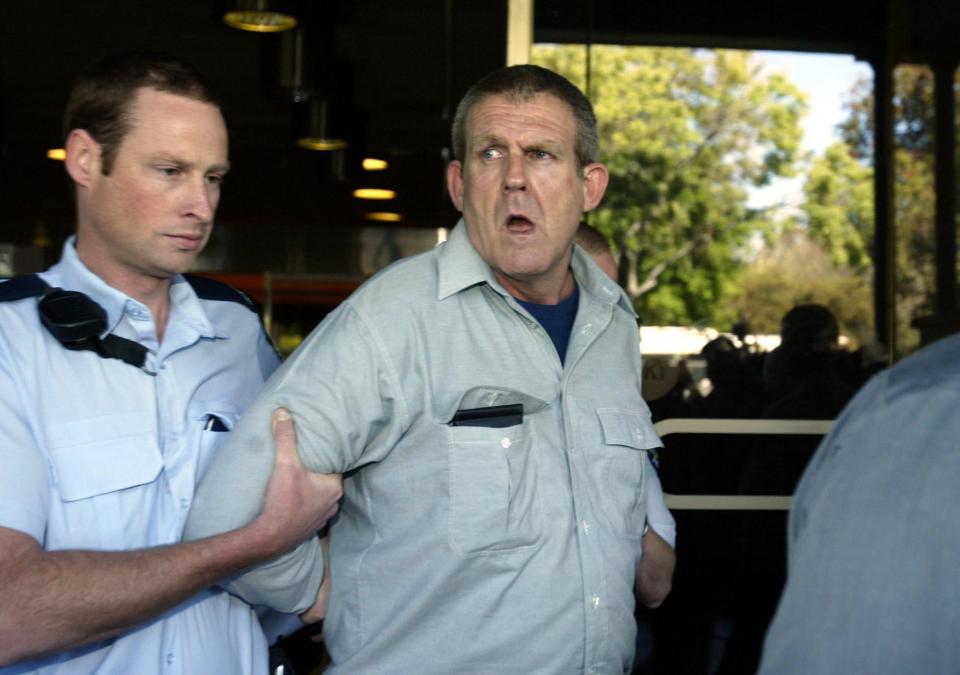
341	393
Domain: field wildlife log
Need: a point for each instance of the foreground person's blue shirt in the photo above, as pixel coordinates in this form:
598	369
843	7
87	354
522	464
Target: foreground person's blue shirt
459	549
98	455
874	542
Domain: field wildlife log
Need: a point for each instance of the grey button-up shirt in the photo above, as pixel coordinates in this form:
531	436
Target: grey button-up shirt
458	549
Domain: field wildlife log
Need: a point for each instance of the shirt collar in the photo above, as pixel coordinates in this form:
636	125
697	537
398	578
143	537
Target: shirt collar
76	276
460	266
596	282
186	307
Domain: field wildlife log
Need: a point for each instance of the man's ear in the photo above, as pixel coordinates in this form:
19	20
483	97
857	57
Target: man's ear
595	179
455	183
83	157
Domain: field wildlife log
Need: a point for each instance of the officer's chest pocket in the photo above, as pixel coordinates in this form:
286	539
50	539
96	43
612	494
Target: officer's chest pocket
104	471
493	501
211	422
621	465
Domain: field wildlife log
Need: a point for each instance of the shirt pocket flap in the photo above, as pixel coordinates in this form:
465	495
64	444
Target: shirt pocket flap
104	454
628	429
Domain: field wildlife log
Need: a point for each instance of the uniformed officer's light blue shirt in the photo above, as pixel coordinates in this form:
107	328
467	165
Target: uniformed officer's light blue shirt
97	454
459	549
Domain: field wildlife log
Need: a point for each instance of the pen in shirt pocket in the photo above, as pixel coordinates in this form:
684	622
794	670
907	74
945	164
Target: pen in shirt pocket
214	423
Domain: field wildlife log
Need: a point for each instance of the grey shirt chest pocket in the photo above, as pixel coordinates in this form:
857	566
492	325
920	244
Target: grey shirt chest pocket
95	464
626	438
492	489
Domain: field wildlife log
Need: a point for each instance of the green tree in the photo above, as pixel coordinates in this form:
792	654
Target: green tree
797	270
839	192
683	132
839	207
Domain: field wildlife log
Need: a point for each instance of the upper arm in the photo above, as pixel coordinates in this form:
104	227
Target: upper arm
343	392
343	403
344	408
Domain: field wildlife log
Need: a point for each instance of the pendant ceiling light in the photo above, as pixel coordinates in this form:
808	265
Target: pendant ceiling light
318	135
259	16
376	194
312	109
374	164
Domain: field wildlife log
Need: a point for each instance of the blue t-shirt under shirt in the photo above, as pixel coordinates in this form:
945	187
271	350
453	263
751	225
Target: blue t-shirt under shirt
557	319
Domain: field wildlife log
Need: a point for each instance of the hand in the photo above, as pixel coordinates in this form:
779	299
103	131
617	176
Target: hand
655	572
319	610
298	502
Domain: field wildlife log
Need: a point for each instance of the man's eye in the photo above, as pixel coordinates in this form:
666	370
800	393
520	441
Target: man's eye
215	179
540	154
169	171
490	153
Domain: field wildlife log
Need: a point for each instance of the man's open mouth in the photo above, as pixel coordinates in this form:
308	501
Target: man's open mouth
516	222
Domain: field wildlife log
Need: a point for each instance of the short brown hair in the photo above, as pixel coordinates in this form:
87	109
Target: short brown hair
101	95
522	83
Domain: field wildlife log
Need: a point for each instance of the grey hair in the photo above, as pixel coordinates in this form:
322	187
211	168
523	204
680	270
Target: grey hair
520	84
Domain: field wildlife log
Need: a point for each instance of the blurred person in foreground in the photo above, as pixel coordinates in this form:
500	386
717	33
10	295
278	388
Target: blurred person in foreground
873	543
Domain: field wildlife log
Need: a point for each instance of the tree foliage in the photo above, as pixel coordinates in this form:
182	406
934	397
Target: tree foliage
839	189
839	207
797	270
683	133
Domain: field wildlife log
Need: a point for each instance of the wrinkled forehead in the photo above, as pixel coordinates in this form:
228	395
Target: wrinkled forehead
537	114
518	98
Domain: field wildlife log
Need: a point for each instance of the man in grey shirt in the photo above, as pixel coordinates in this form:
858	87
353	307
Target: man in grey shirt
483	402
873	583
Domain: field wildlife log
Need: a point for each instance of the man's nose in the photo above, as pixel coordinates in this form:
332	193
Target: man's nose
516	178
202	201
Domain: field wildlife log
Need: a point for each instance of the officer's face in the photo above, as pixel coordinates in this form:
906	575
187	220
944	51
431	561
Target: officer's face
153	214
521	191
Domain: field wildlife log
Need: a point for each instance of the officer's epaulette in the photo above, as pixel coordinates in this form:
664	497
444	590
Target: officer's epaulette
211	289
18	288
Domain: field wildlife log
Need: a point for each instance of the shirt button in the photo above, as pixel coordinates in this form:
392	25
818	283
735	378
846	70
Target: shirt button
586	330
586	526
184	503
595	601
170	657
505	442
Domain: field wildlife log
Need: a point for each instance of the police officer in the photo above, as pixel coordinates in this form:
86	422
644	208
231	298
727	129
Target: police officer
119	378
